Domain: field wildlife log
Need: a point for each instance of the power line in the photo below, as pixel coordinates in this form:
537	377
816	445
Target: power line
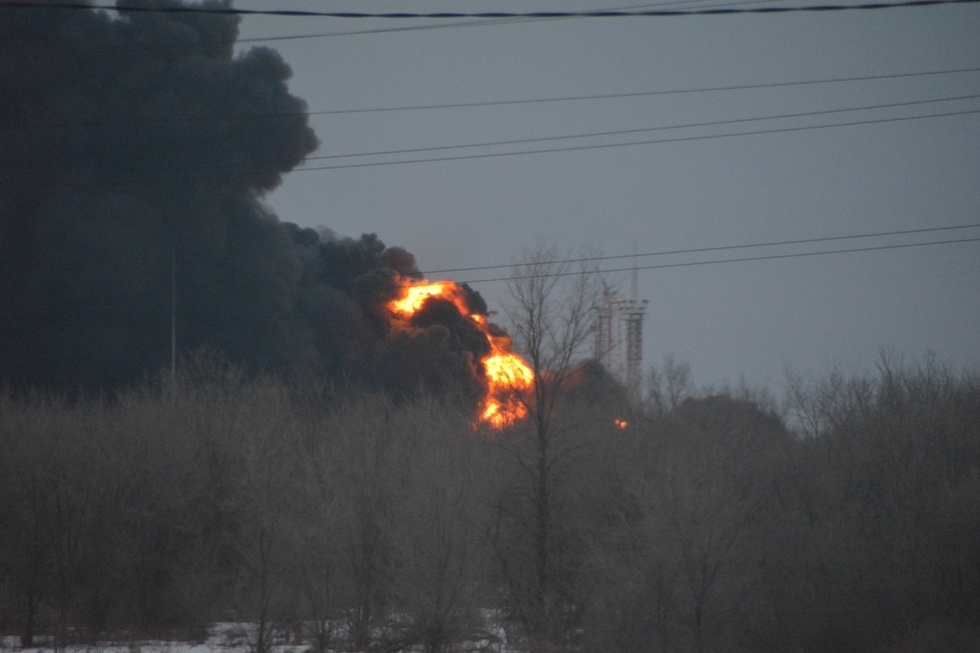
468	23
102	181
492	103
768	257
187	302
612	96
384	30
679	139
622	132
656	13
721	248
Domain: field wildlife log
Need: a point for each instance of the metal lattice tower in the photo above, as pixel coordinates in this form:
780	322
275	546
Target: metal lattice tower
608	332
633	314
619	338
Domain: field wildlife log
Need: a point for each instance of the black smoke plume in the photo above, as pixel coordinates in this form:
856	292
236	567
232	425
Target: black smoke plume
135	146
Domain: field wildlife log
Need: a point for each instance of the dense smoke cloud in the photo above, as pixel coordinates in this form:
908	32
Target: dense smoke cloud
134	144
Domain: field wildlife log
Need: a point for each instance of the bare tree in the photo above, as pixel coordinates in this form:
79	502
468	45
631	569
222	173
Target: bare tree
362	438
550	309
436	528
315	533
25	511
669	385
269	441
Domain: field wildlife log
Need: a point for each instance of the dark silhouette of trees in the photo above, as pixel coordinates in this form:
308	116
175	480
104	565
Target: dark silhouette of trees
846	520
887	474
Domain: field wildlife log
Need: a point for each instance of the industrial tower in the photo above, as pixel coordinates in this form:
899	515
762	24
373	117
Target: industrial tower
619	338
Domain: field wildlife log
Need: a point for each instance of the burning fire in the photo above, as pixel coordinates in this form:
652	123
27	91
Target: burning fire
509	378
621	423
507	374
414	297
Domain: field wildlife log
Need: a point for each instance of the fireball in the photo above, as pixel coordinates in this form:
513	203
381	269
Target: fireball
508	377
413	297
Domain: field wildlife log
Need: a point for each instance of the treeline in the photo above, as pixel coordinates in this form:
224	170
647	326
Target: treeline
847	519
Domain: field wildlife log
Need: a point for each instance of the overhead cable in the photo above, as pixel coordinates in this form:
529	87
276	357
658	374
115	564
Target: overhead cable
762	257
660	141
462	157
106	306
655	13
621	132
465	23
616	96
720	248
493	103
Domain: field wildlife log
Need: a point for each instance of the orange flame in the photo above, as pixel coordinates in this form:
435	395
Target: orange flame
414	297
510	379
621	423
508	376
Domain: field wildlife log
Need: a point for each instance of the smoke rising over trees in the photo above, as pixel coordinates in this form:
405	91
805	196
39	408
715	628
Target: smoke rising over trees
135	147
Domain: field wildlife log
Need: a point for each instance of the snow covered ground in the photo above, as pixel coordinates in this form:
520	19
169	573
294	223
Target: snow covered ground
223	638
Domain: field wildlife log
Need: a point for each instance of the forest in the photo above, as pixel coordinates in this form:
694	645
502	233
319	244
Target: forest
845	518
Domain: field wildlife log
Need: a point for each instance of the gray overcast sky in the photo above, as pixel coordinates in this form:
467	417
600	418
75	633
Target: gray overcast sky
729	321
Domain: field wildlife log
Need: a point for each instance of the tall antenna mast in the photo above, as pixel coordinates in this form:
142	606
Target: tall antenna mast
173	317
633	281
619	332
634	313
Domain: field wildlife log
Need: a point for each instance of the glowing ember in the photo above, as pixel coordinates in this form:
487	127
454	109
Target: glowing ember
508	377
621	423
